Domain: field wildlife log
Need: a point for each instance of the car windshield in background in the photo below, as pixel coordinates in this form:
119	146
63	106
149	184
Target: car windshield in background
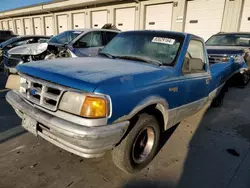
229	40
65	37
152	46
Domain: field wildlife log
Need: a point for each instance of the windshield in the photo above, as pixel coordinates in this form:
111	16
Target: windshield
229	40
7	42
156	46
65	37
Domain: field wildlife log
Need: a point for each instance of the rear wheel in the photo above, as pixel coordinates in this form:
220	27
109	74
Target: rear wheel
139	147
246	79
243	79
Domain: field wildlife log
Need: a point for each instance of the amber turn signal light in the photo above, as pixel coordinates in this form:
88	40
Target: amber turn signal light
94	107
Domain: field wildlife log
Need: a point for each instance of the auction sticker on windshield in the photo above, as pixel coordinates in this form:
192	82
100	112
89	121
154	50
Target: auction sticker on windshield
163	40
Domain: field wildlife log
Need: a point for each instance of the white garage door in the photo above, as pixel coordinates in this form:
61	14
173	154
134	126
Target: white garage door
27	26
48	23
245	22
99	19
125	19
10	23
37	26
19	27
159	17
4	25
79	20
204	17
62	23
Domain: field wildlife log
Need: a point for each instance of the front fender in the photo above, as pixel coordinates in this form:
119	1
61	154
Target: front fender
161	105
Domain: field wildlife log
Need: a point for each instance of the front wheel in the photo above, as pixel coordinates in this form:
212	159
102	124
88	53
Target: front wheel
139	147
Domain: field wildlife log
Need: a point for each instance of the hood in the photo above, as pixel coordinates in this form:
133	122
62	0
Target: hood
29	49
88	73
226	50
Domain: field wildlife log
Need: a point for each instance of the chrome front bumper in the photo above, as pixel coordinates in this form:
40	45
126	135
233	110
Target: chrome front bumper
88	142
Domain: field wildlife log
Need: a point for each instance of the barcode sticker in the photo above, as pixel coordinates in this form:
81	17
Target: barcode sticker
163	40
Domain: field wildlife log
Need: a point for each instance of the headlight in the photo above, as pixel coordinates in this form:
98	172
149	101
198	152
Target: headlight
89	106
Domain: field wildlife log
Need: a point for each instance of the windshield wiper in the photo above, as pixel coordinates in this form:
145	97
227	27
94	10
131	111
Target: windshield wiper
108	55
143	59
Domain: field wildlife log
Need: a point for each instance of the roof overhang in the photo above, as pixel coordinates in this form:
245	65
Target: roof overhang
51	7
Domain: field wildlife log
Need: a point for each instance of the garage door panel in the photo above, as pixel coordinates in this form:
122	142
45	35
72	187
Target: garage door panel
10	23
19	27
5	25
79	20
204	18
27	26
37	26
159	17
125	19
245	21
48	23
62	23
99	19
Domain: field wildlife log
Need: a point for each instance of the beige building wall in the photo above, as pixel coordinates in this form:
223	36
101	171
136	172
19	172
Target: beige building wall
231	18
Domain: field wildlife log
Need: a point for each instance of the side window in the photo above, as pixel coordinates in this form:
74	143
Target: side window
194	61
92	39
109	36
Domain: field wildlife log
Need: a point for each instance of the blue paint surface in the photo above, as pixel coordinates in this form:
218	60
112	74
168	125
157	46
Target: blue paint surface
85	73
129	83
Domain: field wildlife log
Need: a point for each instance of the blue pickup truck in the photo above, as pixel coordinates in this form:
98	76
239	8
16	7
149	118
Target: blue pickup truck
142	83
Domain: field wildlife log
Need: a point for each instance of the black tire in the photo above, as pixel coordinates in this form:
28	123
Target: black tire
243	79
218	101
124	154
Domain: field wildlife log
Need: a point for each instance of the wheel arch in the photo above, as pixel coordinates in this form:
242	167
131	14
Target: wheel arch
156	106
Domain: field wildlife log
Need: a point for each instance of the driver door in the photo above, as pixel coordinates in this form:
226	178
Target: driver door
196	79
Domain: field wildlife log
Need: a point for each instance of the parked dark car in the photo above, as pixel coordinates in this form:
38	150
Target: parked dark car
6	34
222	46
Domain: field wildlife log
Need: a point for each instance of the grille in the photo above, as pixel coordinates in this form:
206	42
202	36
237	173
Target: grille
216	58
40	92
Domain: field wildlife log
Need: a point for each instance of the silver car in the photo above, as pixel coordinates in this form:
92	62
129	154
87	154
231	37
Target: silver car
71	43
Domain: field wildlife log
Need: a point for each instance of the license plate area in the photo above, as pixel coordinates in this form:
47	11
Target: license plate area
30	124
